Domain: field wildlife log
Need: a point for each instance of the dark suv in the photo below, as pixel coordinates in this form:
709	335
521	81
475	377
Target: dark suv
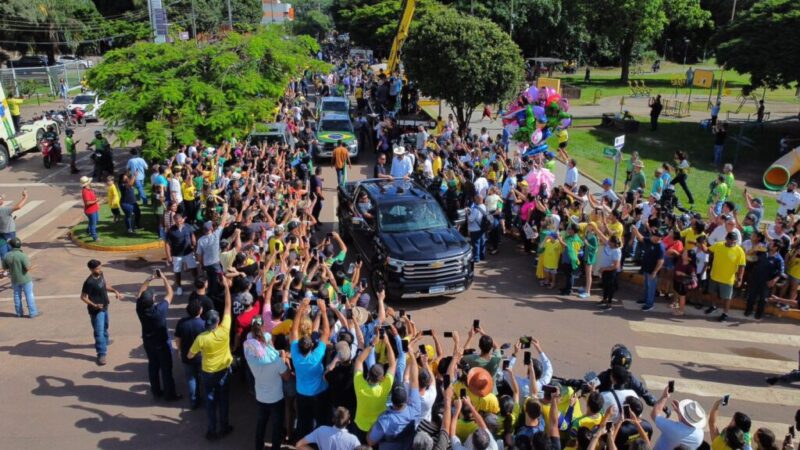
405	238
29	61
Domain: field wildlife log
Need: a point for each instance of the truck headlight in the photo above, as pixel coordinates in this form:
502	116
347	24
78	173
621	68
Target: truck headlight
465	260
353	145
395	264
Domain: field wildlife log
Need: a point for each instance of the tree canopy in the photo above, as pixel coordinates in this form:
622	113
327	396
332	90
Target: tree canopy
475	61
179	92
764	42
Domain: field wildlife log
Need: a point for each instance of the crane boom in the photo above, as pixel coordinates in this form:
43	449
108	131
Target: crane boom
402	34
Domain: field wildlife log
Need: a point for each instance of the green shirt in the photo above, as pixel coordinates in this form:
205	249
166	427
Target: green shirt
729	180
100	144
590	249
69	144
637	181
17	264
720	192
573	246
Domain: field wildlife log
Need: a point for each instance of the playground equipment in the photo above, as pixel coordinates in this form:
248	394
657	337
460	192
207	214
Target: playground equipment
675	108
778	174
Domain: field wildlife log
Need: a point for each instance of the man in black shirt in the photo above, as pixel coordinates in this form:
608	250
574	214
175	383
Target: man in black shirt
655	110
200	295
380	168
316	189
153	317
187	329
179	245
95	294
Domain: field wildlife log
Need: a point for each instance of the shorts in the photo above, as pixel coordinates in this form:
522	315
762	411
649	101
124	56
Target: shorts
551	271
680	288
791	278
180	263
116	212
724	291
562	144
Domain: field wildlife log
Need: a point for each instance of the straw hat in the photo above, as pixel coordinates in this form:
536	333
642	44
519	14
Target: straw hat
85	181
692	413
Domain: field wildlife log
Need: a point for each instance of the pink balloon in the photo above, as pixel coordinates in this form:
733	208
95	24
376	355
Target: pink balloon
564	104
532	94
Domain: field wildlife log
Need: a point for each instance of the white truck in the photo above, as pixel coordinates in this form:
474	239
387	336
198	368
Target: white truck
16	142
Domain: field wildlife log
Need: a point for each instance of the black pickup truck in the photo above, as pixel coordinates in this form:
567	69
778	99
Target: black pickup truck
405	238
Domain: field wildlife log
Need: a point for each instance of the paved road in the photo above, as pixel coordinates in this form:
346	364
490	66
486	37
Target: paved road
55	394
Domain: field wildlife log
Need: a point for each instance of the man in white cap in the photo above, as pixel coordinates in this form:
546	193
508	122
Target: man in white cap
401	165
686	431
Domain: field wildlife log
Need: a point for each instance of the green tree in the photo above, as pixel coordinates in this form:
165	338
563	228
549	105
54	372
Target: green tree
47	25
764	42
312	22
463	60
629	22
180	92
211	15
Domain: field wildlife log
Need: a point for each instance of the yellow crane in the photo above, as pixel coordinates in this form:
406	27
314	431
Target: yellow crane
400	37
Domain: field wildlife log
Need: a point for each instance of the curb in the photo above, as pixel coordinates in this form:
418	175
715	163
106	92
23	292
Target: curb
737	303
119	248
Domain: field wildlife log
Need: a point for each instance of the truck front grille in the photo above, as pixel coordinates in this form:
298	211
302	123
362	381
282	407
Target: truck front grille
433	269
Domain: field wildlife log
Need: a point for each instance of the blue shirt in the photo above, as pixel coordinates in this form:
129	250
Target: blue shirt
137	164
309	370
394	430
674	434
187	329
401	167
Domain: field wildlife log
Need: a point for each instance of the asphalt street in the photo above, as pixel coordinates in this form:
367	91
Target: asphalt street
54	395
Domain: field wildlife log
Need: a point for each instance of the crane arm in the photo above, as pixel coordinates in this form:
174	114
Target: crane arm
402	34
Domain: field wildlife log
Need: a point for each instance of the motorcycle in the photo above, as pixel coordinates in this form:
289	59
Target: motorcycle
56	117
51	153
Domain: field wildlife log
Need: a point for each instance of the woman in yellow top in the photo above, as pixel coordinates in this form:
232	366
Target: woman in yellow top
189	192
732	437
113	198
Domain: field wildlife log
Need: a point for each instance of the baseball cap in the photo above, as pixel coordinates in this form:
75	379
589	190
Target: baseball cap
607	182
655	195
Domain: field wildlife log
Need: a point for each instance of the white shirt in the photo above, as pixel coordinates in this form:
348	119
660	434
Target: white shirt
332	438
788	200
401	167
609	400
180	158
481	186
719	233
175	189
427	168
571	178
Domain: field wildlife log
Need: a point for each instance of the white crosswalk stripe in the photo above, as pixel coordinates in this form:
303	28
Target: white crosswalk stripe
705	362
29	206
45	220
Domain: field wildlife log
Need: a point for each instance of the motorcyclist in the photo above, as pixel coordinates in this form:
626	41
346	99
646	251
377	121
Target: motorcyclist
103	159
621	356
69	144
51	136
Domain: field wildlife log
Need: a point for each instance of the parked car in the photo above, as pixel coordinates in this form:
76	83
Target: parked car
90	103
28	61
271	133
72	59
409	245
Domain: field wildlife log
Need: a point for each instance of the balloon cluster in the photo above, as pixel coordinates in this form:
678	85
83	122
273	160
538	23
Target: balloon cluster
534	116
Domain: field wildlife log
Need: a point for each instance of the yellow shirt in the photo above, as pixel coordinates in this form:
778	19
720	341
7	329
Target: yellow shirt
615	229
215	346
727	261
13	105
719	443
282	328
589	422
464	429
486	404
690	238
552	252
113	196
437	166
188	190
370	399
794	267
563	136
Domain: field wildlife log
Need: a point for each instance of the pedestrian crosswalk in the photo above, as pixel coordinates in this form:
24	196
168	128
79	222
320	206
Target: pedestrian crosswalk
696	367
45	220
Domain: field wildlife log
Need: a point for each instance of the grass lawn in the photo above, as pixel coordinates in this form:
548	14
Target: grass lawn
114	234
587	140
606	81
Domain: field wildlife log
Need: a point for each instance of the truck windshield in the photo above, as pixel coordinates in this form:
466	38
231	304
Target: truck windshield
411	216
336	125
340	107
83	100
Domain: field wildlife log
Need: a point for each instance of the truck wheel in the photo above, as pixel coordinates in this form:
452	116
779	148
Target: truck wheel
3	156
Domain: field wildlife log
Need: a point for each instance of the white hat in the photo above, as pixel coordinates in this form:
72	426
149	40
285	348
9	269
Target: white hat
399	150
692	413
85	181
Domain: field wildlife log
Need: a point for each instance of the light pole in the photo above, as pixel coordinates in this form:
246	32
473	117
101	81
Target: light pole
230	16
664	54
194	24
685	49
511	20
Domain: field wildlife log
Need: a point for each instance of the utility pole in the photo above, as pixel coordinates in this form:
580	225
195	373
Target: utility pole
194	24
733	10
511	20
230	16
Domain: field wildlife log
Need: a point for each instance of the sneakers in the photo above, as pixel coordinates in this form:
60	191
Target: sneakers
723	317
783	307
711	309
771	380
605	306
179	291
101	360
648	307
583	295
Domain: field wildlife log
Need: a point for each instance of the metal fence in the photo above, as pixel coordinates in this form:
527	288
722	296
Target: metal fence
44	81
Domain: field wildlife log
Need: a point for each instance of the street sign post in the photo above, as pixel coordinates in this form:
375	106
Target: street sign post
615	153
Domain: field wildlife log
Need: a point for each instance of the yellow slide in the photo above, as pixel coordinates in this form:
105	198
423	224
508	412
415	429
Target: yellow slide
780	172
